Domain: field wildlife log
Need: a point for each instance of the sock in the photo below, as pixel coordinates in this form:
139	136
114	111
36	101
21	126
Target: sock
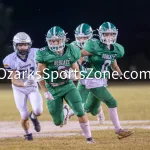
33	116
65	112
27	132
71	112
86	129
114	118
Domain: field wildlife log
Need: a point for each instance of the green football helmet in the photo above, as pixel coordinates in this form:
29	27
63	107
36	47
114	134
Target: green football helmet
56	38
82	33
108	33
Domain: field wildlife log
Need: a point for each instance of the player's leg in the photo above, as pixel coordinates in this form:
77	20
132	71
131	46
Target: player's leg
55	108
74	99
93	106
37	107
100	115
84	94
103	94
21	104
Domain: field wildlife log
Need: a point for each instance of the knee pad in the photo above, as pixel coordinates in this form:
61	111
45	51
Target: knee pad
80	113
95	111
24	115
111	103
38	111
58	122
78	109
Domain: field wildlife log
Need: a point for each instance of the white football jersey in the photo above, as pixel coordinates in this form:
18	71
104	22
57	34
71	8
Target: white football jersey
23	67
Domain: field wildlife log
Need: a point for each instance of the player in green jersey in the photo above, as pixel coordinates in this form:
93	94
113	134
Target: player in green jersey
82	33
102	55
54	61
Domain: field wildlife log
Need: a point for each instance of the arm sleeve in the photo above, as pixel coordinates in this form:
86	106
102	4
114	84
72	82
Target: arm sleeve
76	53
93	46
120	50
38	57
9	63
88	46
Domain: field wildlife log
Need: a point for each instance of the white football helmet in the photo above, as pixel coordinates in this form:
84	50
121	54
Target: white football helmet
21	38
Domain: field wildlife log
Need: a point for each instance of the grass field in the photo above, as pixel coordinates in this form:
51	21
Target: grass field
133	104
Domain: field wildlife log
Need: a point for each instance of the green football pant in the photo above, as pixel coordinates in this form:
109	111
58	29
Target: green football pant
55	106
83	92
92	104
101	94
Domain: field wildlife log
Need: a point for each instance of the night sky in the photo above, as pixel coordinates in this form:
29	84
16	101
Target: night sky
132	18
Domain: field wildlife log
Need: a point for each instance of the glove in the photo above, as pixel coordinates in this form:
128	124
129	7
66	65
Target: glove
48	96
30	81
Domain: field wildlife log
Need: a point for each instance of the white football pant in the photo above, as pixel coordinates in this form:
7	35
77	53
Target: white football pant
33	95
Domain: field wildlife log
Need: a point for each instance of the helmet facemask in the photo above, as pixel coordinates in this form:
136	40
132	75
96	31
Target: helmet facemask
22	44
108	37
22	48
56	43
82	38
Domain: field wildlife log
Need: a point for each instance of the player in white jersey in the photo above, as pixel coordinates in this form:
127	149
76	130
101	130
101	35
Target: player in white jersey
20	64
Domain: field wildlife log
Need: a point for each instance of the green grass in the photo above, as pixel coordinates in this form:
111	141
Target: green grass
105	140
133	103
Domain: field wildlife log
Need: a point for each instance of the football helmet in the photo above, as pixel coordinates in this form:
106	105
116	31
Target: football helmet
22	38
56	38
108	33
82	33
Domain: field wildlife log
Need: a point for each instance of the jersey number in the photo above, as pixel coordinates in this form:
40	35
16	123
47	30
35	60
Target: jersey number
26	72
105	65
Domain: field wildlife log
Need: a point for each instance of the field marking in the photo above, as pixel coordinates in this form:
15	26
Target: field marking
10	129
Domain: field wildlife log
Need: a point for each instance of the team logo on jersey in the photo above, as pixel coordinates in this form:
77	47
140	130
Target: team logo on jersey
6	65
25	66
107	56
62	62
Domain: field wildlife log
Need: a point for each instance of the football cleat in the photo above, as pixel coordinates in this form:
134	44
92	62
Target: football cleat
123	133
66	118
90	140
28	137
101	116
36	123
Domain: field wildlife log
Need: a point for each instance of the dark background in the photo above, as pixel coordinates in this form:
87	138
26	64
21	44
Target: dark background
132	18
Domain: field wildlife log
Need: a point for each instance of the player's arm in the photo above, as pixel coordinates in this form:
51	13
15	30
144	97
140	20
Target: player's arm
77	71
115	67
85	53
40	70
41	81
19	83
16	82
81	60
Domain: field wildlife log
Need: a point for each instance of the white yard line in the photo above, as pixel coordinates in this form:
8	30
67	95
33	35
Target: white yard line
48	129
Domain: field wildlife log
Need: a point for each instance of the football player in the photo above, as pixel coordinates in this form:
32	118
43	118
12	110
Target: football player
102	55
21	65
55	61
82	33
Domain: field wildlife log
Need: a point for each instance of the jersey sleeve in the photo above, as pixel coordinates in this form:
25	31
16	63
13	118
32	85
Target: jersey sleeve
92	46
9	63
120	50
39	57
76	53
88	46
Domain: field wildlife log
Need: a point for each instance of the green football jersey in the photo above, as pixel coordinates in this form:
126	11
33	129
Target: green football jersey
102	58
82	67
55	63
